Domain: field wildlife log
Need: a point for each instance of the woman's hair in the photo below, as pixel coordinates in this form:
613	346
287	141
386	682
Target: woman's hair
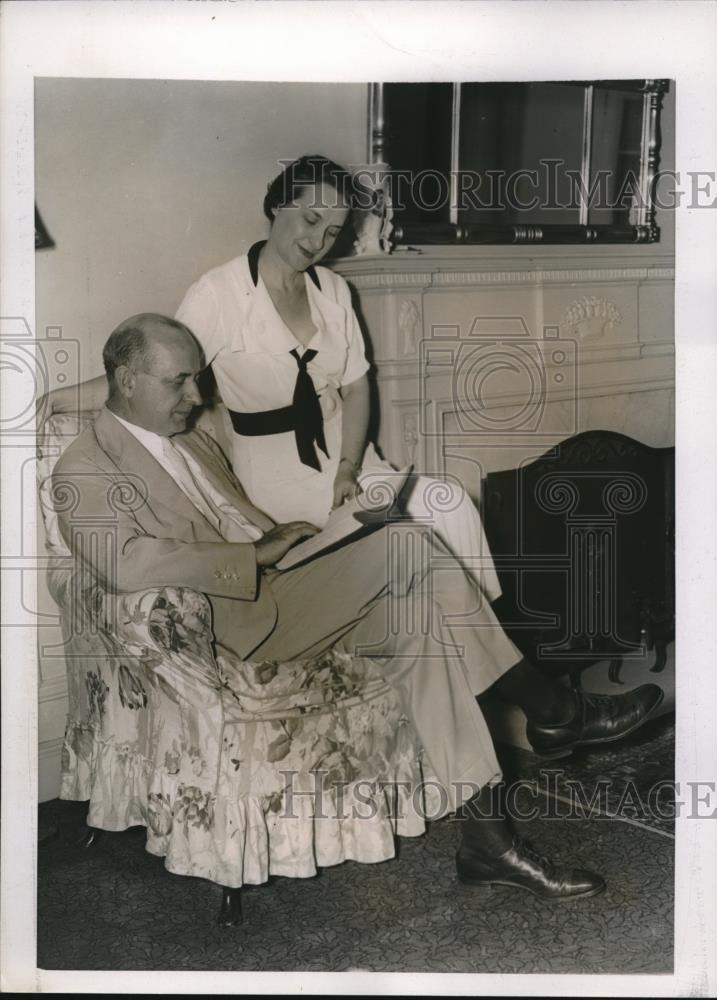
310	171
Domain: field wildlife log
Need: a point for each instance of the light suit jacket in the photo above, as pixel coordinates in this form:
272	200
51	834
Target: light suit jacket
107	484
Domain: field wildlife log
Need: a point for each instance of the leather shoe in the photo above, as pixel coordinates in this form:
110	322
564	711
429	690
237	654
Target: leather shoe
598	719
523	868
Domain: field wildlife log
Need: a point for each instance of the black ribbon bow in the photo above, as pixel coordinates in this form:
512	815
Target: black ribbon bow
308	418
304	416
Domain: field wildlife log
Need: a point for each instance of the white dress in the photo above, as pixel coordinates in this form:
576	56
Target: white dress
248	346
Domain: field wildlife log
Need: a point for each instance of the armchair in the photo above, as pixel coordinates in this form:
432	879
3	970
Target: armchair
238	770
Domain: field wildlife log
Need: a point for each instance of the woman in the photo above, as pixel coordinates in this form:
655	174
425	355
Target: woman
271	325
268	319
288	357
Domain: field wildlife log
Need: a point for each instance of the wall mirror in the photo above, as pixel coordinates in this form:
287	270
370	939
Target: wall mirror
540	162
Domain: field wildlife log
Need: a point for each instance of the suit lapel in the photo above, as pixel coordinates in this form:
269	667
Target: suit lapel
166	502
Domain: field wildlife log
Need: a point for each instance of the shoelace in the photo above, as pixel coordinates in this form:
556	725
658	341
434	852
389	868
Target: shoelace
596	702
524	848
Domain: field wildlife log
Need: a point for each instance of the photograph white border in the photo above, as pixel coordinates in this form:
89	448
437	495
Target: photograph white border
362	41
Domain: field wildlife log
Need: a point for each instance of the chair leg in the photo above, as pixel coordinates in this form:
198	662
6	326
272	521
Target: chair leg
89	837
230	914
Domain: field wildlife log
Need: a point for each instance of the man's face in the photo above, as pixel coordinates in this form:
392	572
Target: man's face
164	389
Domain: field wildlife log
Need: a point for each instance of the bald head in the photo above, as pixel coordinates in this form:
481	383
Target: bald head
151	363
131	343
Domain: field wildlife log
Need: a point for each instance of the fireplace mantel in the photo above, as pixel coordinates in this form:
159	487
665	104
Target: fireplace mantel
486	356
516	263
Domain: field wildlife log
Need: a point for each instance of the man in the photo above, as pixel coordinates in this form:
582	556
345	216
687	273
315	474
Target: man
183	519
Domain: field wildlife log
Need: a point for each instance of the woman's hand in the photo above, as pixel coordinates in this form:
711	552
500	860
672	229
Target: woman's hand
353	439
44	408
56	401
274	545
88	396
345	484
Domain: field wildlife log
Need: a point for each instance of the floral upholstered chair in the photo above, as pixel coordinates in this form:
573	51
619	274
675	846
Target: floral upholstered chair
238	770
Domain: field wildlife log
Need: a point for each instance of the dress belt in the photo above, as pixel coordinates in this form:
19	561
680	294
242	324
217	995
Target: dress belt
264	422
303	417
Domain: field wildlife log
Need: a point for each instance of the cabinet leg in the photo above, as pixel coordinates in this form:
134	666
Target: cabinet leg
230	914
660	657
613	672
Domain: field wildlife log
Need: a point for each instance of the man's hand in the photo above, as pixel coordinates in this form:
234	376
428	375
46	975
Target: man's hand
345	484
274	545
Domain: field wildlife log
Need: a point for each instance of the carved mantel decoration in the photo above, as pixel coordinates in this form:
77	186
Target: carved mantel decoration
590	316
409	325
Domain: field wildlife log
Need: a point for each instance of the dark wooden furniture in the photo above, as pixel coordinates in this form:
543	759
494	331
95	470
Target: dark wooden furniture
583	540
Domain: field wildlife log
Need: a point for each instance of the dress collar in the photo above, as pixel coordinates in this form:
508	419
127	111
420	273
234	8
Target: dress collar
253	258
264	332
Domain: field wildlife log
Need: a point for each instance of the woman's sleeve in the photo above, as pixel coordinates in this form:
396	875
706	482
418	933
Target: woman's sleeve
356	363
200	312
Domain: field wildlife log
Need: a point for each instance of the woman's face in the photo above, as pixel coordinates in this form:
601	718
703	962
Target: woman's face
302	233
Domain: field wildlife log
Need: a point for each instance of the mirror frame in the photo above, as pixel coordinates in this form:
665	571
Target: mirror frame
644	229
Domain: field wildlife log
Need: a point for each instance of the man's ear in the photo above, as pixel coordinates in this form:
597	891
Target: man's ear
125	380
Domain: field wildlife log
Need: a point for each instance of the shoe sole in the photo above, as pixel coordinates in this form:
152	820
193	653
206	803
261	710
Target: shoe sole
567	750
480	884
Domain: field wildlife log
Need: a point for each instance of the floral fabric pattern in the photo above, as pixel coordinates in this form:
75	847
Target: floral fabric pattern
131	692
238	769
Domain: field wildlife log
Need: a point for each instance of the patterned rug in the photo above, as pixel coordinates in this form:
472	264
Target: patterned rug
113	906
633	780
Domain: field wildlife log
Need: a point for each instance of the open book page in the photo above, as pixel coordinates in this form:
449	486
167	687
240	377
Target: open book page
367	510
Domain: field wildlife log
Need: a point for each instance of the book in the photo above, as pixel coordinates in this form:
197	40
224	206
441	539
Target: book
365	512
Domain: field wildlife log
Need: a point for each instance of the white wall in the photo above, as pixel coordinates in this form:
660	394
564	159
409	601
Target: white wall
144	185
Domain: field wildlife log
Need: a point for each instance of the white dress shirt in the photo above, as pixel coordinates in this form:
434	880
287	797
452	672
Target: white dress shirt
189	476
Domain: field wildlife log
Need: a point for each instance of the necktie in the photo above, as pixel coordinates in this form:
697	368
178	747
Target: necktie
209	501
309	420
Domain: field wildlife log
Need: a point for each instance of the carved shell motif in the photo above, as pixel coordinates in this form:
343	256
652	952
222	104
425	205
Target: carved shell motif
590	316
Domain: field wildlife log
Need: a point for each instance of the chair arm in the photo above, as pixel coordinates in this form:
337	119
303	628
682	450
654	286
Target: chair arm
169	630
162	620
